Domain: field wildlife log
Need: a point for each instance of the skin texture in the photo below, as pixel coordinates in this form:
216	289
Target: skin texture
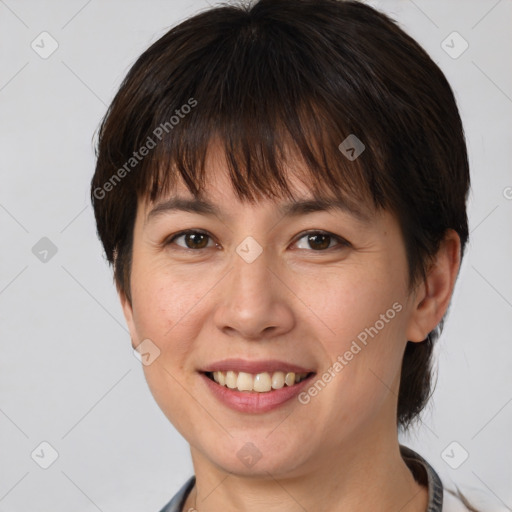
296	304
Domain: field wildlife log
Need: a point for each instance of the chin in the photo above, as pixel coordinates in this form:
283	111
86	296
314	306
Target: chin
258	458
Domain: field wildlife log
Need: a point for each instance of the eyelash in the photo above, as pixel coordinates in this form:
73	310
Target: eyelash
342	243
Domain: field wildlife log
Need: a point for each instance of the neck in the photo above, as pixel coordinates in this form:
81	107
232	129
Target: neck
367	474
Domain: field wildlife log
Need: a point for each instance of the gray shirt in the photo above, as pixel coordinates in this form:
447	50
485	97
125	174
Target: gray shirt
423	473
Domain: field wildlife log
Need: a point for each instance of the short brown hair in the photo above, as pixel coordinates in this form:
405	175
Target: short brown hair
296	75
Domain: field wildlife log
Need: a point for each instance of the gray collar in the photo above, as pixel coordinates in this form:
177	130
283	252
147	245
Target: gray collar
425	474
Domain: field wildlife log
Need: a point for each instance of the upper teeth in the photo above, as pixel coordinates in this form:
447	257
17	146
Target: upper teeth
261	382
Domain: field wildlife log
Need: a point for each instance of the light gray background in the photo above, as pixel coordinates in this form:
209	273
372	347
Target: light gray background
67	372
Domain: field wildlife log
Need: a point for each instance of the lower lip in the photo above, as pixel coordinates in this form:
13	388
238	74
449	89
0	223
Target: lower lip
252	401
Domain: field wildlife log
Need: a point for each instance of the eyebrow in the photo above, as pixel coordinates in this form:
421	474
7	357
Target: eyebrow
293	209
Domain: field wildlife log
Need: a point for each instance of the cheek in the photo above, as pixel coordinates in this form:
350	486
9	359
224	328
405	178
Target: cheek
170	307
166	309
349	302
365	312
164	300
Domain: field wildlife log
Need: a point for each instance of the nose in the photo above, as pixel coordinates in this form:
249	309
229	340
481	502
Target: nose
254	302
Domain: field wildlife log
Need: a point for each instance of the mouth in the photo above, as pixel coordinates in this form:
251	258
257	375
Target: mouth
264	382
256	386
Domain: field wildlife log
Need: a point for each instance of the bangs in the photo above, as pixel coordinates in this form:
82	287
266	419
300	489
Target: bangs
259	107
259	155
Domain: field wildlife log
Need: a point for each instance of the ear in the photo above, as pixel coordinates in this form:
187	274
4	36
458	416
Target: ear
128	315
433	296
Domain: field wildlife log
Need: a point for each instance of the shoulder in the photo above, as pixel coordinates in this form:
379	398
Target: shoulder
178	500
464	499
452	503
446	496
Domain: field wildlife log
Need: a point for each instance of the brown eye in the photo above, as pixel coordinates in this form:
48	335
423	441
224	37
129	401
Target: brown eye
196	240
192	239
320	241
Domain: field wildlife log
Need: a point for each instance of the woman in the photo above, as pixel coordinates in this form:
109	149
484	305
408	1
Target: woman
281	189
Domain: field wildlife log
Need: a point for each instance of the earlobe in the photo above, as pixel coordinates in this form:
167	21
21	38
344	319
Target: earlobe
128	314
434	294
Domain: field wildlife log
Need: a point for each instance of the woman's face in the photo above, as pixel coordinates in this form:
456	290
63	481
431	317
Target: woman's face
253	293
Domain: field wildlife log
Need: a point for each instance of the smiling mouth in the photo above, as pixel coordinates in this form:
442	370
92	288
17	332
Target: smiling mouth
265	382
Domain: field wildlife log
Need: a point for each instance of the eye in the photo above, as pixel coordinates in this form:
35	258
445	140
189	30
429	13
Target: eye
322	240
192	239
317	240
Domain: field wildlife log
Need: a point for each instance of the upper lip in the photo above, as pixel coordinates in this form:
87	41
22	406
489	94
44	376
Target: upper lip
243	365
